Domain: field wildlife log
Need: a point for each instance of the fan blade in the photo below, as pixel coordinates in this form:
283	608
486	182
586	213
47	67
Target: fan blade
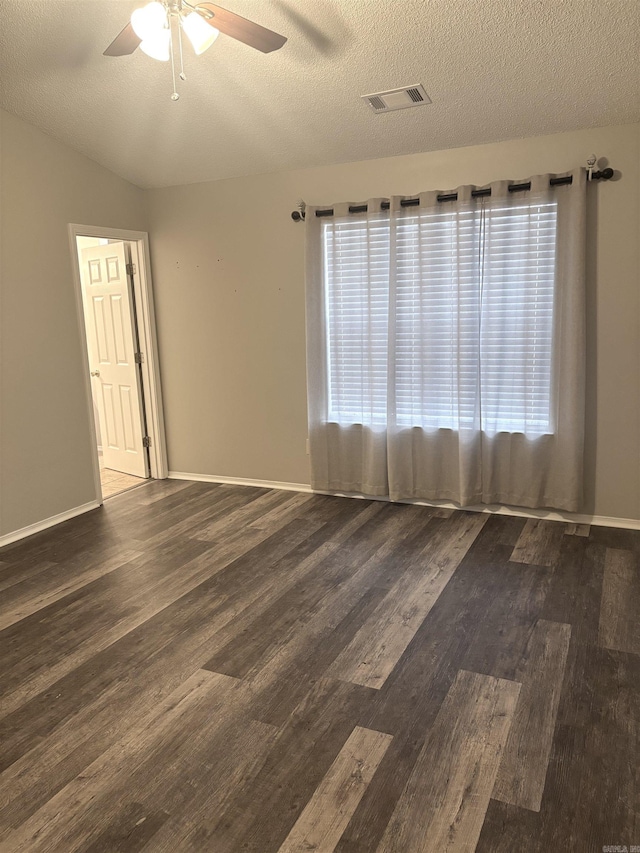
241	29
125	42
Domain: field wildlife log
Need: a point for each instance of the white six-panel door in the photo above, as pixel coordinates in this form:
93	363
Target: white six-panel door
115	376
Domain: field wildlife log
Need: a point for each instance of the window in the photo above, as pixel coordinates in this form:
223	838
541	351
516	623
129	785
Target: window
442	319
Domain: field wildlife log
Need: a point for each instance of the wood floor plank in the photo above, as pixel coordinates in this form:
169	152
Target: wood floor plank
237	753
609	693
88	696
274	517
488	604
69	546
501	637
575	588
523	768
292	664
103	527
160	496
77	732
539	542
54	544
618	538
619	626
229	500
409	702
591	798
326	815
13	573
156	491
181	735
237	507
42	640
203	511
379	645
243	515
28	597
295	571
442	512
202	569
273	627
175	509
98	775
130	831
307	659
112	738
304	749
445	799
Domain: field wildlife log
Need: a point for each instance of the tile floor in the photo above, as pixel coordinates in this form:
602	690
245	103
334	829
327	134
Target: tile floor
114	482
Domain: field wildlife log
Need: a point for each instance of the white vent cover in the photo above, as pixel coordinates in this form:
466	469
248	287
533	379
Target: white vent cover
397	99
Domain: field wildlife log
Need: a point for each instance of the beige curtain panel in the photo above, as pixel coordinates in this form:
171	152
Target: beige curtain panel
446	346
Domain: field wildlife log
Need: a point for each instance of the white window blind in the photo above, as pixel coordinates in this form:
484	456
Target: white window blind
517	317
469	298
356	272
437	318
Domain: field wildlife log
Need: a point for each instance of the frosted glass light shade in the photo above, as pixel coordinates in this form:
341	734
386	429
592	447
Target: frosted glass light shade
157	45
149	20
198	31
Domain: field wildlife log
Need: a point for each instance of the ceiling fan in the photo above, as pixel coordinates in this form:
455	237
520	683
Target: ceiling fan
153	28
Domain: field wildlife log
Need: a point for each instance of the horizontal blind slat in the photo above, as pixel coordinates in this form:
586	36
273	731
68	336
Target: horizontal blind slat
471	336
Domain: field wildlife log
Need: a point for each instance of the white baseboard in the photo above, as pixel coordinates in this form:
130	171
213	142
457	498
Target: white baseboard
240	481
549	515
8	538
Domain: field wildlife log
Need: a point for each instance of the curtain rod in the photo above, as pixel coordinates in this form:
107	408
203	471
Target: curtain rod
604	175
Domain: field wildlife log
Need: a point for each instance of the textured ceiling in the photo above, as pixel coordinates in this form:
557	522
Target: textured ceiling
495	69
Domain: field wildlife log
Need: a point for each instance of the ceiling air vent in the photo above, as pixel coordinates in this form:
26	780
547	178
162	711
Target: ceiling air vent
397	99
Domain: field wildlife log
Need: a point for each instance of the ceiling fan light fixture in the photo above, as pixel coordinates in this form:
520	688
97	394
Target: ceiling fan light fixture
156	29
149	21
157	46
199	32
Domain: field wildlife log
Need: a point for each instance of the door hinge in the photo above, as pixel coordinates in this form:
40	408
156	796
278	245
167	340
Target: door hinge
138	357
131	269
146	441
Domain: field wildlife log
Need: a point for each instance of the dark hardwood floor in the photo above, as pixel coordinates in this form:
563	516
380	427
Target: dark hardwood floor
198	667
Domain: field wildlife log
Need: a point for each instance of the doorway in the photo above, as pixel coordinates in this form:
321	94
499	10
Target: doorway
116	315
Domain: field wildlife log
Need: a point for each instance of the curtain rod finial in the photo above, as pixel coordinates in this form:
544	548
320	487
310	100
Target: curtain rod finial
603	175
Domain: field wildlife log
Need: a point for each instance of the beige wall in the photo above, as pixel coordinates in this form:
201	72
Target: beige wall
229	286
45	441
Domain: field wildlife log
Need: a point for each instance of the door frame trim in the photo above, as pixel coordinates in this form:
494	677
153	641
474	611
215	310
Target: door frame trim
147	334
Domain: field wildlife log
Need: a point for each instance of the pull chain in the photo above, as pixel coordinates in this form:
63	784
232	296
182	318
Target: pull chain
183	76
175	96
